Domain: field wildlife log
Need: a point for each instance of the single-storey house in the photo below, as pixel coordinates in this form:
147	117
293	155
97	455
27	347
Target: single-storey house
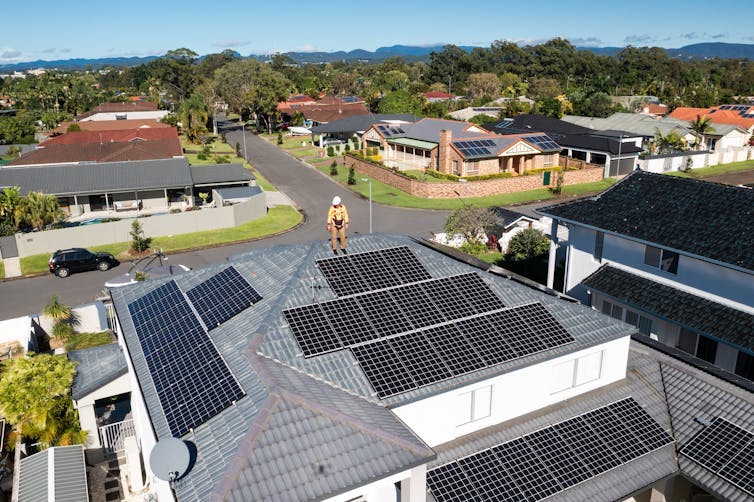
460	148
146	184
133	110
110	125
733	115
113	151
355	125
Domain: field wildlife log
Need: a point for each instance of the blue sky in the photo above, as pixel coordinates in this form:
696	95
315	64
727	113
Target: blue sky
87	29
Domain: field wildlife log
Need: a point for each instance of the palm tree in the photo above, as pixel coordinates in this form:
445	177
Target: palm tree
701	125
10	201
39	210
193	114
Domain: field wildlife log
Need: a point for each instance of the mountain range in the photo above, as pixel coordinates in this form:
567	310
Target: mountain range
407	52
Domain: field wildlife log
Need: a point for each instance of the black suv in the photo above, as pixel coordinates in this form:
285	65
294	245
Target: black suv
64	261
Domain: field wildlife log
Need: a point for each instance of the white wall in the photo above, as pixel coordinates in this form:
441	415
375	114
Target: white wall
85	405
724	153
16	330
699	277
145	115
91	317
379	491
436	419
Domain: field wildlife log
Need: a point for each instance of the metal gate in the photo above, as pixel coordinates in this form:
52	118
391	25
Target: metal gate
8	248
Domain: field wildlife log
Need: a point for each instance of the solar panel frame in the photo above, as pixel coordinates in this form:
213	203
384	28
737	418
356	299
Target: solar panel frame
449	483
405	264
384	313
447	298
459	354
420	358
342	276
527	470
383	368
419	309
488	477
222	296
349	323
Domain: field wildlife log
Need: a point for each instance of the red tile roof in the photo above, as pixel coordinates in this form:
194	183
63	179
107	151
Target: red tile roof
110	125
118	135
101	152
438	95
716	116
323	114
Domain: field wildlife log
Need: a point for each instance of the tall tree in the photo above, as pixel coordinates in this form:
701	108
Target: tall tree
39	210
483	85
701	125
193	114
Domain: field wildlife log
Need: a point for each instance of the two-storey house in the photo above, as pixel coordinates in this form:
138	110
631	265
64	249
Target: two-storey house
672	256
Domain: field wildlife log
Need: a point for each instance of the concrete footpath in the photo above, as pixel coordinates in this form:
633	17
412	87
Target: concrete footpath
12	267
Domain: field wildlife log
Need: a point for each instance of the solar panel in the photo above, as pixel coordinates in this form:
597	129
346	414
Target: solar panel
463	346
192	381
360	318
359	272
222	296
543	142
383	368
312	330
725	449
550	460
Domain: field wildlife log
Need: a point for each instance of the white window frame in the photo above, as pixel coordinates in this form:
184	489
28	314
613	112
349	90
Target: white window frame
574	372
477	404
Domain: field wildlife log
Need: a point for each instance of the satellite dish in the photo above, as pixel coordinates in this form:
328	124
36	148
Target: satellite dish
170	459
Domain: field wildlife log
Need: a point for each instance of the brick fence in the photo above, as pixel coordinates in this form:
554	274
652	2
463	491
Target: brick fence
453	189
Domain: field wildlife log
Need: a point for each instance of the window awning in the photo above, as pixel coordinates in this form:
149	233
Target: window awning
414	143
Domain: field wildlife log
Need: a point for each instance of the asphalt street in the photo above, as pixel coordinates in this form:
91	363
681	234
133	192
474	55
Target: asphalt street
310	191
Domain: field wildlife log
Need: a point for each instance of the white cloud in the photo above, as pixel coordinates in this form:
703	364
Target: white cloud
8	55
308	48
638	39
586	42
230	43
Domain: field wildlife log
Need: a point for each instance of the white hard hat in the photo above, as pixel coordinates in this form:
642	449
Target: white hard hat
335	200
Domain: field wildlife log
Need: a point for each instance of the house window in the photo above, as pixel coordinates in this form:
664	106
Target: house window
548	160
599	241
697	345
577	372
475	405
661	258
455	168
639	321
745	365
472	167
613	310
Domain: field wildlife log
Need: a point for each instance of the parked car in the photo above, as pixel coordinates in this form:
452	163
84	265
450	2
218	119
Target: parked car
64	261
151	267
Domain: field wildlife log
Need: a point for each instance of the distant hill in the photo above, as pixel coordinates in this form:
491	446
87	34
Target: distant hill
408	52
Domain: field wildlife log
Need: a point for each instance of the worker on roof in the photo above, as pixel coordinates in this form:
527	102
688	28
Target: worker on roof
337	223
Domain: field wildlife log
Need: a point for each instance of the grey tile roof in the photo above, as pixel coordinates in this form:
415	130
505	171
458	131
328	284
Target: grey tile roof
700	218
238	192
645	125
691	395
220	173
429	130
68	477
81	179
716	320
96	366
324	394
361	122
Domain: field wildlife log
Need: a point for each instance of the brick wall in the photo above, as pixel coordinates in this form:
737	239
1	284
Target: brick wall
483	188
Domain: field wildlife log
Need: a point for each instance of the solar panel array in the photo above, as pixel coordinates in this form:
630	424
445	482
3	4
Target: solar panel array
475	148
389	131
222	296
192	381
356	273
352	320
413	360
544	143
550	460
727	450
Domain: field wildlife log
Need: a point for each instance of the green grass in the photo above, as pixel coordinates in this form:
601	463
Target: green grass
383	193
2	270
278	219
86	340
702	172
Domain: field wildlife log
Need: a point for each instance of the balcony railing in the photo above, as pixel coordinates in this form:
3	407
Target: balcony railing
113	436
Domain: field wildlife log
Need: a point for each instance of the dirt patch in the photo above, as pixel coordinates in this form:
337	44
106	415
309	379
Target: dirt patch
739	178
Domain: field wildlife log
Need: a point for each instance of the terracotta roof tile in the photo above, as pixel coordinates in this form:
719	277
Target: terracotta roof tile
118	135
110	125
102	152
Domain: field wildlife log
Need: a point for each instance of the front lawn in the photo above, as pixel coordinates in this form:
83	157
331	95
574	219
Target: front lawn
2	270
383	193
278	219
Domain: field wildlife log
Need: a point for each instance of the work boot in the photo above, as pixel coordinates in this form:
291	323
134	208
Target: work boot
335	251
344	251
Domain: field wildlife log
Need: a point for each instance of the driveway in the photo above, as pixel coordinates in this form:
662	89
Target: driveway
310	191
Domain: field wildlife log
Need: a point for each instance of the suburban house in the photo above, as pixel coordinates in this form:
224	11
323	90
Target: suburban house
472	111
121	135
140	184
510	223
133	110
112	151
438	96
460	148
110	125
671	256
325	110
723	136
355	125
397	372
616	151
741	116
